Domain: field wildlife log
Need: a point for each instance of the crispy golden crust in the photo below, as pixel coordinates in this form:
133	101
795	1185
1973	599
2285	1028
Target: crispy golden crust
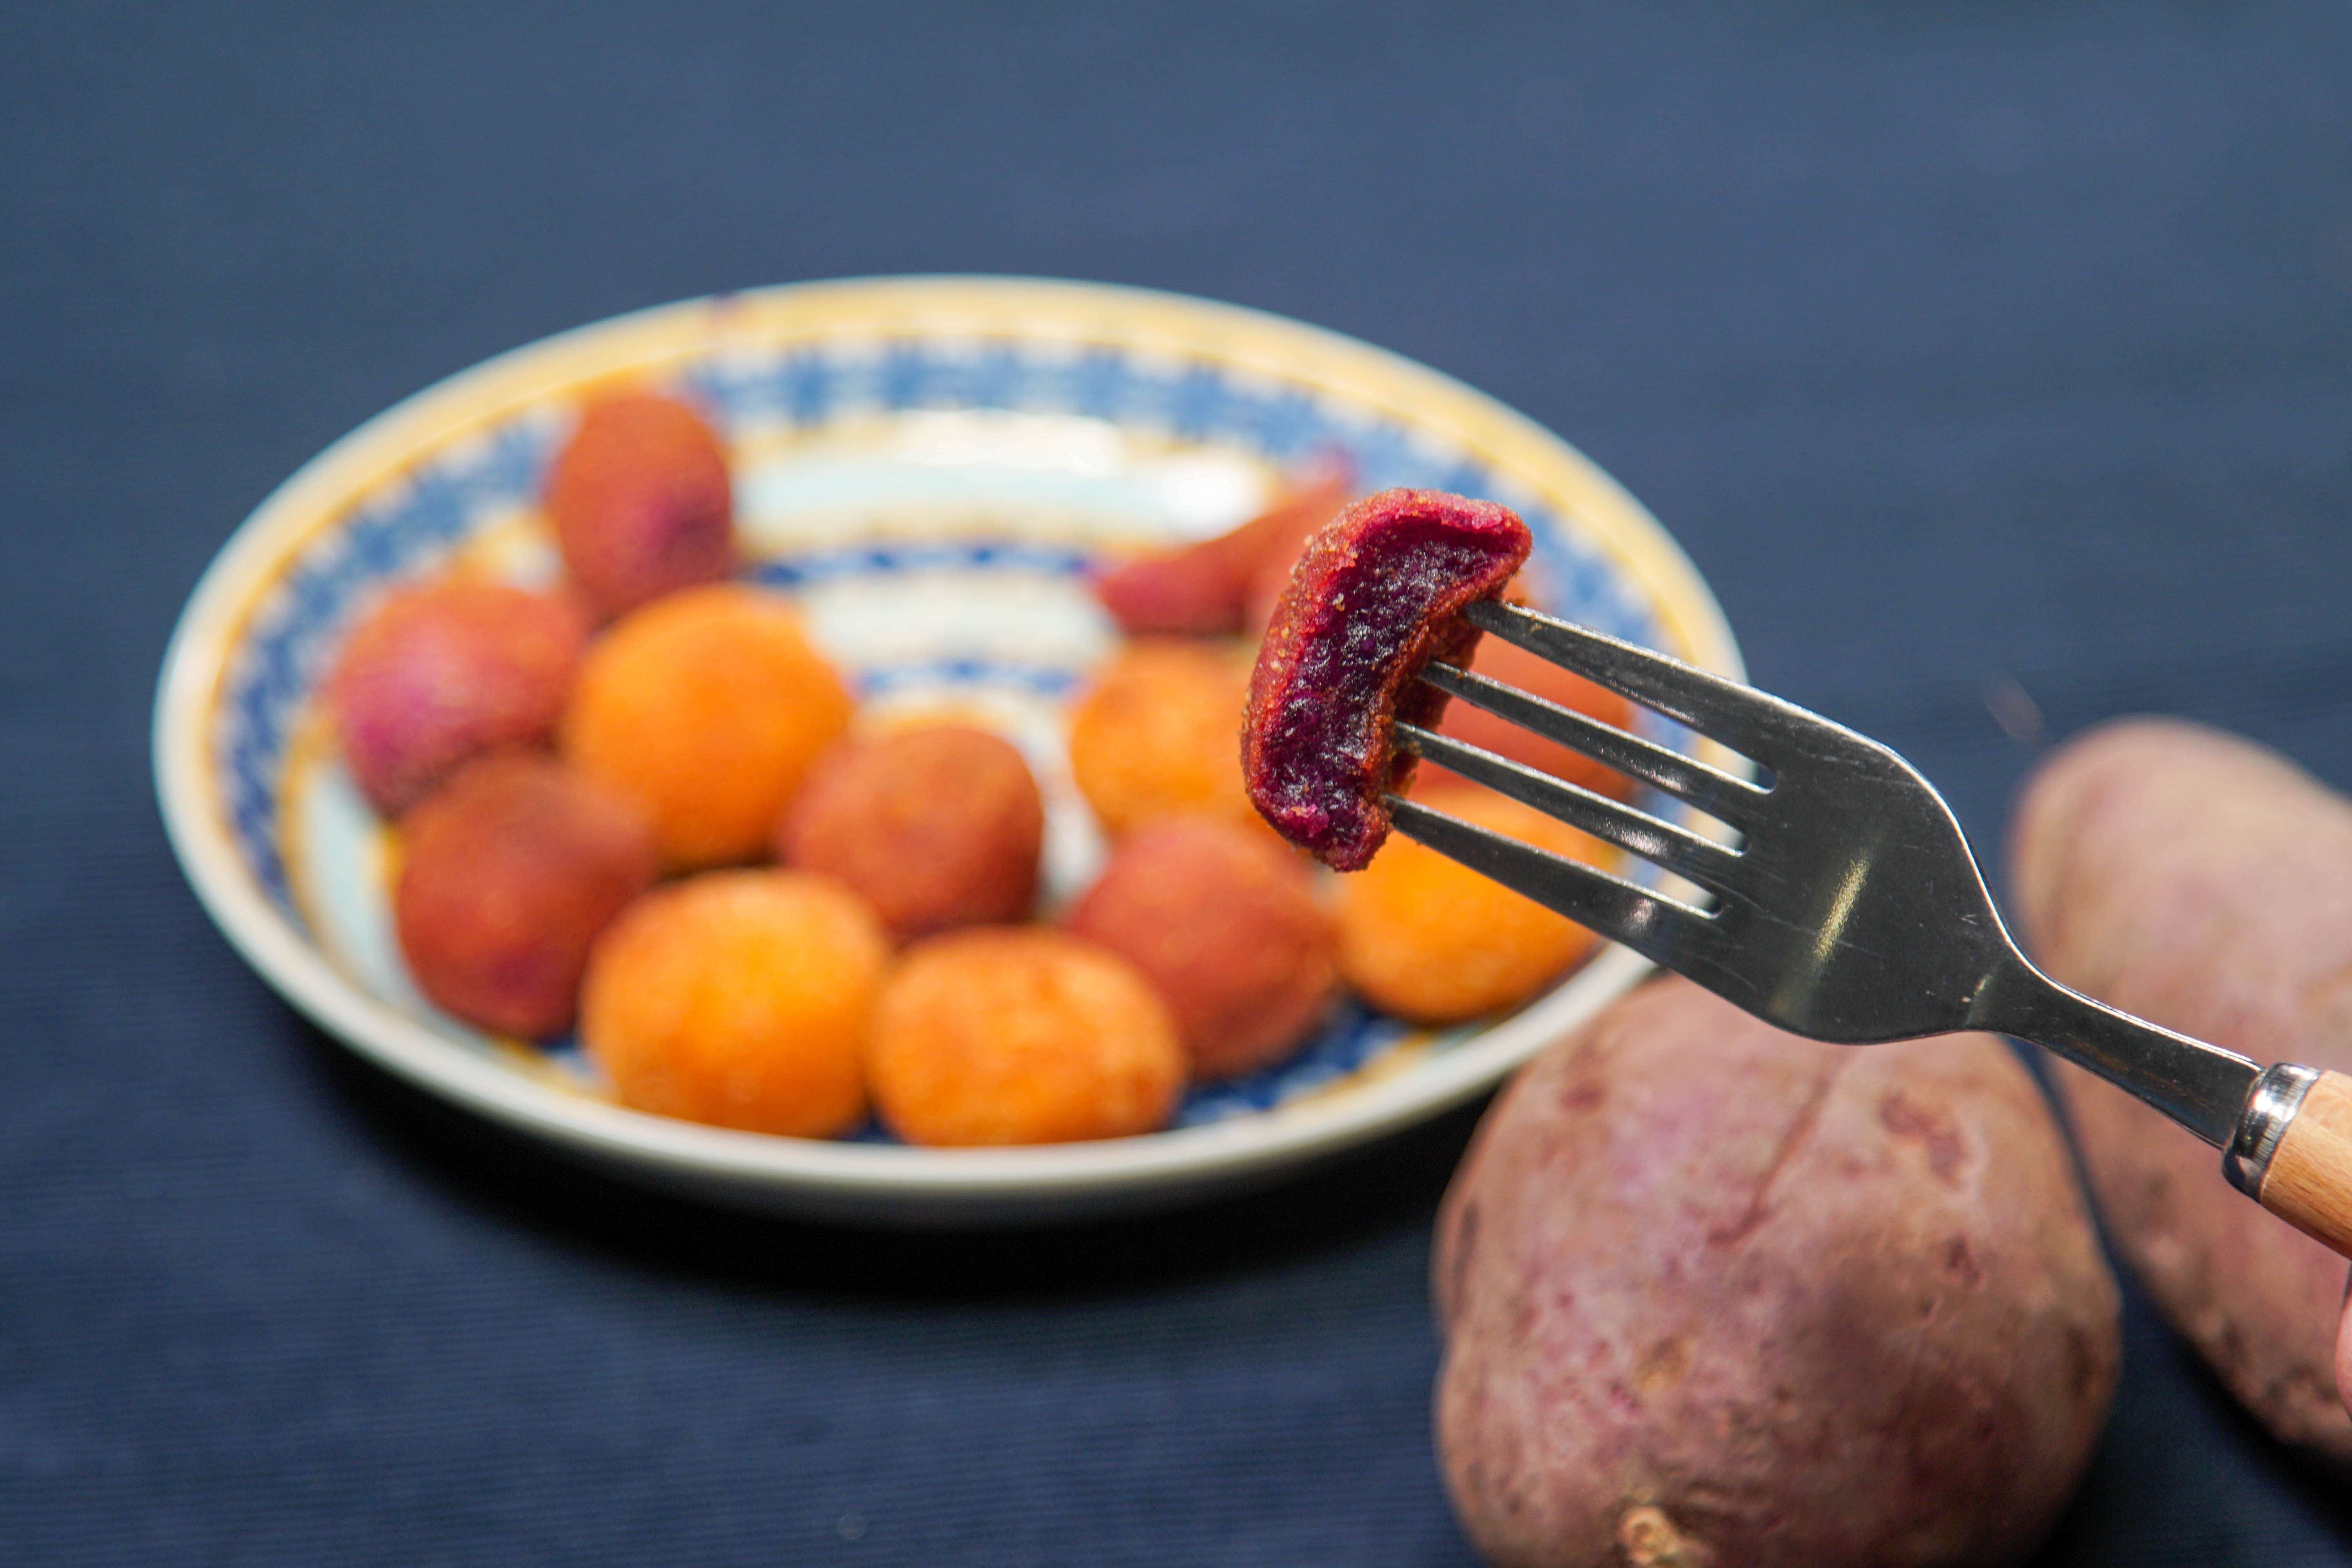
1153	734
1432	940
709	706
1021	1034
740	999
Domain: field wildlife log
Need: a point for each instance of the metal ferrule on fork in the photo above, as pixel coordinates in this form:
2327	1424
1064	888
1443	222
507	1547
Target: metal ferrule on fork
2278	1094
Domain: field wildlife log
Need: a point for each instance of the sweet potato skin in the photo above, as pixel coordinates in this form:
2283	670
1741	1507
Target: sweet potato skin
2344	1357
2204	883
1715	1295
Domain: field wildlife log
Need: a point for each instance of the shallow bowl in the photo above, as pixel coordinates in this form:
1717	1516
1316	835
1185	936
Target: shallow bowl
930	466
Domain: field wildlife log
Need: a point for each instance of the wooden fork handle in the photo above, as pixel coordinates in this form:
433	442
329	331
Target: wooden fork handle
2307	1178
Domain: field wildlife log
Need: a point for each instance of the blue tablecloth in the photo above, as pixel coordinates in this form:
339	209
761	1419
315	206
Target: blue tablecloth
1974	351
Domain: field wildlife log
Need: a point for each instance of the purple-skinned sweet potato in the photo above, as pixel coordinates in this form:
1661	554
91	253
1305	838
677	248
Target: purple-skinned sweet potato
443	672
1714	1294
2204	883
2343	1356
1378	594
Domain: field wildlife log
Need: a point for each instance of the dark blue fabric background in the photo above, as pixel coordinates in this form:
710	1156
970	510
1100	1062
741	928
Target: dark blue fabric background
1970	350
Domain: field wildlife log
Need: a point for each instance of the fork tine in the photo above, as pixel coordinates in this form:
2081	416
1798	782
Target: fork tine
1745	719
1713	791
1650	924
1654	839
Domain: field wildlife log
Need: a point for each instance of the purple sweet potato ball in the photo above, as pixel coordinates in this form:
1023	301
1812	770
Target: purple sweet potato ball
439	674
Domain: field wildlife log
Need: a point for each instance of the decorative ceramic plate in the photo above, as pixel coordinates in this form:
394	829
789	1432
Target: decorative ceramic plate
930	466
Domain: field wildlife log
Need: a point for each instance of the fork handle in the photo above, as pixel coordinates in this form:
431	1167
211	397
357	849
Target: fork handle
2293	1153
2285	1131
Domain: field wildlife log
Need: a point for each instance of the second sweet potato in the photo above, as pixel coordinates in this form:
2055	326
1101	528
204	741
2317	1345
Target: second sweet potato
2204	883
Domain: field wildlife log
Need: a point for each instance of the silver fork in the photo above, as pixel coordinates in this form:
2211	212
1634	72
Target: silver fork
1851	909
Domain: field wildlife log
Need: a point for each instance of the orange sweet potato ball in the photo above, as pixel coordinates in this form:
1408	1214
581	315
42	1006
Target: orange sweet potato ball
1157	733
1436	942
709	706
1002	1034
740	999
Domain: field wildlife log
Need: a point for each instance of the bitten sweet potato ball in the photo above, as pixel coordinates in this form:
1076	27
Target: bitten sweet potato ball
442	673
1157	733
937	826
1377	595
1436	942
509	871
709	706
740	999
641	501
1223	923
1021	1034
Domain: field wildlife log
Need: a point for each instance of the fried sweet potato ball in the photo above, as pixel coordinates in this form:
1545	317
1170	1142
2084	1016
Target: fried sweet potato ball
937	826
1156	733
1021	1034
709	706
1209	586
441	673
508	873
641	501
1223	921
740	999
1436	942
